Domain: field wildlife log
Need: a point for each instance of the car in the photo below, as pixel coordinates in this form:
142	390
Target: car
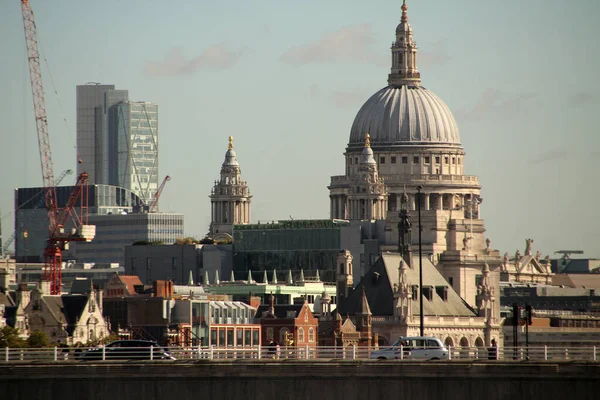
414	348
127	350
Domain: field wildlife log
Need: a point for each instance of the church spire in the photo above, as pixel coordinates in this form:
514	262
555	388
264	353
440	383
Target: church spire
404	55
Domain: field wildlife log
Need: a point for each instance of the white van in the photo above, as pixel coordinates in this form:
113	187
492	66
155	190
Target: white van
414	348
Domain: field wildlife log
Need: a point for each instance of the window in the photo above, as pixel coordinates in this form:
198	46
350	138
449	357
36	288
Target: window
437	159
381	160
393	160
458	160
282	335
306	317
229	337
453	160
445	160
478	280
451	281
255	338
311	335
404	160
355	160
415	160
248	337
426	160
300	335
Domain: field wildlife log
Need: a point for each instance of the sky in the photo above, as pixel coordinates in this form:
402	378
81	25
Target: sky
286	79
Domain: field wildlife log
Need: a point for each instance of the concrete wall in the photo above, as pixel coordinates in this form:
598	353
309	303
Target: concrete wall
332	380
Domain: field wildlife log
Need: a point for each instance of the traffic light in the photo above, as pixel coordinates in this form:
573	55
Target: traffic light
529	313
516	314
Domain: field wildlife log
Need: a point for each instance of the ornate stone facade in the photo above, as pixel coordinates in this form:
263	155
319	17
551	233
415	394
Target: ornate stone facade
229	198
414	142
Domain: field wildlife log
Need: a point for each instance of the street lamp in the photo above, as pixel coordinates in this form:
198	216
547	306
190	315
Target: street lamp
420	259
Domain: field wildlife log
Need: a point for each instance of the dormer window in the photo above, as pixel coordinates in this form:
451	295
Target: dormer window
442	291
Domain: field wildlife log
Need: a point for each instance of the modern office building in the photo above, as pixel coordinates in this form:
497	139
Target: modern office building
115	231
31	222
307	245
117	140
93	104
180	263
133	140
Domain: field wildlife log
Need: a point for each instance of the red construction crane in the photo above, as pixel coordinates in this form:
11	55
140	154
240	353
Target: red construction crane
154	201
57	217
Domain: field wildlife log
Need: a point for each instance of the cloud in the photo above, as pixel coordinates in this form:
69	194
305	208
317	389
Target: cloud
349	98
347	44
549	156
582	99
217	57
494	102
314	91
438	55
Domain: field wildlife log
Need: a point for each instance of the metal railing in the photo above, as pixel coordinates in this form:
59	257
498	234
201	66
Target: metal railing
269	353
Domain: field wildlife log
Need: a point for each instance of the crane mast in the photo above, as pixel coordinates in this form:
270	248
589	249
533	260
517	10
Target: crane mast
58	238
154	202
39	110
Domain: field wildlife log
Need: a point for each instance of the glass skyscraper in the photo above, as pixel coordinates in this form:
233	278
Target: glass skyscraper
134	143
117	140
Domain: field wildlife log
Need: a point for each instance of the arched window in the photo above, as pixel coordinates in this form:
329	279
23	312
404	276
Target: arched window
311	335
300	335
282	335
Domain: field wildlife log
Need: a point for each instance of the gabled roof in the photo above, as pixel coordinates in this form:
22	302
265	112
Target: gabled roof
73	307
130	281
281	310
348	326
379	285
528	264
55	306
6	300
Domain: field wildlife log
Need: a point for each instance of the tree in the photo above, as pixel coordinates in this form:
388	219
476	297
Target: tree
38	339
113	337
9	337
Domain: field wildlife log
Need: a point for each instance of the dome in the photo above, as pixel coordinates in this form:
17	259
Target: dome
230	158
404	115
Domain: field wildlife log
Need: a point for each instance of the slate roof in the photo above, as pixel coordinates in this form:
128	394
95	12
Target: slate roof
66	309
379	283
6	300
281	310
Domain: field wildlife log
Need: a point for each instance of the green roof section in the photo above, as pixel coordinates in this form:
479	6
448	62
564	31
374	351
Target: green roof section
294	224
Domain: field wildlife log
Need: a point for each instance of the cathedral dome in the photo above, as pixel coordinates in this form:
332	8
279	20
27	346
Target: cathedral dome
404	115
